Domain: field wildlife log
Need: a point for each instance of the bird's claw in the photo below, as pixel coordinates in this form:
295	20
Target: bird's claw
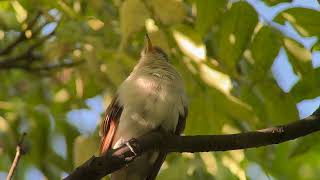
131	148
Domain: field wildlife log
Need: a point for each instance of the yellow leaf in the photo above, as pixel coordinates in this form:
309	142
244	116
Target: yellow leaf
21	12
95	24
61	96
297	51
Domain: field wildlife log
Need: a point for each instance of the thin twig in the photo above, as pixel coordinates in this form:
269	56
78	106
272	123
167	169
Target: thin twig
22	36
51	67
19	152
24	60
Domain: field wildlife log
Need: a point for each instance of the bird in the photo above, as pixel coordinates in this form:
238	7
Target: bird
152	97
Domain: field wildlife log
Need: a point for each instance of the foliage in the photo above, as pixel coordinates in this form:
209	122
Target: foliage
223	49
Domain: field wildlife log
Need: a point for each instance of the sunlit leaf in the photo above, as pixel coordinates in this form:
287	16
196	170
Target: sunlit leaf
133	14
235	33
264	49
209	12
21	13
301	20
298	55
170	12
95	24
190	43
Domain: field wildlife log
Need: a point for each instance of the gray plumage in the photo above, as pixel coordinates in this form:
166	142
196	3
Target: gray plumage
151	97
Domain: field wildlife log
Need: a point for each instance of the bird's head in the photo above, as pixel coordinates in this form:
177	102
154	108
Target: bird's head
153	52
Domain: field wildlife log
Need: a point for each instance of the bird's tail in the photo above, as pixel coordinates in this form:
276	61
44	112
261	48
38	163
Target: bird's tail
145	167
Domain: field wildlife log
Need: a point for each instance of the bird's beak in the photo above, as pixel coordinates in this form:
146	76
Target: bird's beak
148	47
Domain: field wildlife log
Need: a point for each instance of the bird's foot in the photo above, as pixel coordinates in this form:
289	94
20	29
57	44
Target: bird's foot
131	148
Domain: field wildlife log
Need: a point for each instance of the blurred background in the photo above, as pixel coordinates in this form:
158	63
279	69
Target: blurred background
246	65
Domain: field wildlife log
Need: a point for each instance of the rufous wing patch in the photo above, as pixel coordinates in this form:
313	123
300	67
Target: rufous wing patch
109	125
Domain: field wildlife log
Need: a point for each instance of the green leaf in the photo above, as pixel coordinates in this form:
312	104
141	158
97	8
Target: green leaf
235	33
84	148
300	57
302	19
8	20
169	12
275	2
160	39
270	103
305	144
191	168
133	14
280	107
264	49
39	134
308	86
316	46
71	134
209	12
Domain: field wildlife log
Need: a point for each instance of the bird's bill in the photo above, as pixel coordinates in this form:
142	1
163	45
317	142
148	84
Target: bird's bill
148	46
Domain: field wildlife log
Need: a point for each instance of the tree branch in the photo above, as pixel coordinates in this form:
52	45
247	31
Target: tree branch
22	37
20	151
97	167
50	67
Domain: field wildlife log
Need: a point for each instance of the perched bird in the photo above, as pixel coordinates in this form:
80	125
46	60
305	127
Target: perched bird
152	97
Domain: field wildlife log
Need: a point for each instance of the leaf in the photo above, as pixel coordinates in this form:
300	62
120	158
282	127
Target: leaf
95	24
235	34
316	46
269	102
300	58
39	135
275	2
159	38
264	49
169	12
308	86
133	14
279	107
84	148
71	134
189	42
21	13
209	12
191	168
305	144
8	20
301	20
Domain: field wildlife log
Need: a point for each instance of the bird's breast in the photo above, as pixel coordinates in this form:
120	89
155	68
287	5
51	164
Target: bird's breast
150	101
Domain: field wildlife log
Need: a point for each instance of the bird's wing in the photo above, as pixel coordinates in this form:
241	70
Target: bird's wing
162	155
109	124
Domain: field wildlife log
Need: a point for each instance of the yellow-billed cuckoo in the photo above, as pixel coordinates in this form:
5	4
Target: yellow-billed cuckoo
152	97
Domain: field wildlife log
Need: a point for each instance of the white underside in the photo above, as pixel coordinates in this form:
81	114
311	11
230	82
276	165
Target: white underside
148	103
151	98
